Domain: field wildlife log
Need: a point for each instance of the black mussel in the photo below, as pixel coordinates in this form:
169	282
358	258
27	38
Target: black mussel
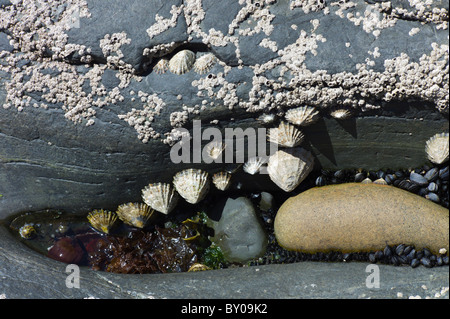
373	175
439	261
407	250
397	182
412	254
404	184
389	178
346	257
418	179
381	174
443	173
400	249
403	259
379	255
433	197
415	262
340	174
399	174
395	261
432	174
387	251
359	177
419	254
427	252
320	181
426	262
413	188
372	258
433	187
445	260
423	191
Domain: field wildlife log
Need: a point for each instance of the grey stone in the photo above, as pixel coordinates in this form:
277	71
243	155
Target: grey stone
239	232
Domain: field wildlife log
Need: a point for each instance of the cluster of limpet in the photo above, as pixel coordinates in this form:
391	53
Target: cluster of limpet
185	60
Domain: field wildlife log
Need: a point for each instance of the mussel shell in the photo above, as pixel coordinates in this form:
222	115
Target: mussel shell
432	174
418	179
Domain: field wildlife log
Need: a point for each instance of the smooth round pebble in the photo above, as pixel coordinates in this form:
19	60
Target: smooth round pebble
355	217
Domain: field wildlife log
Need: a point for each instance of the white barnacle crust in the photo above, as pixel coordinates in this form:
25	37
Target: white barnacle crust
192	184
162	197
182	62
222	180
285	135
303	115
288	168
437	148
253	165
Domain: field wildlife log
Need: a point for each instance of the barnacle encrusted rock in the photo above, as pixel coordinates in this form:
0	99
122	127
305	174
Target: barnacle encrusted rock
68	66
360	217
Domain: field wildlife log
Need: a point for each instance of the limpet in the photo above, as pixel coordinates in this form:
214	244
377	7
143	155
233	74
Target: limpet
182	62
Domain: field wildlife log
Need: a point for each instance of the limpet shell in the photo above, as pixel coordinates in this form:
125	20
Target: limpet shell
198	267
102	220
204	63
303	115
162	66
285	135
215	149
182	62
288	168
27	231
340	114
135	214
222	180
192	184
437	148
162	197
253	165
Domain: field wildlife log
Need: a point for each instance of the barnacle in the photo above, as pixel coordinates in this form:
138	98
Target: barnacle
102	220
135	214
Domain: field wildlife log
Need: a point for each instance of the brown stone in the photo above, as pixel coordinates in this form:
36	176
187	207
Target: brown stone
360	217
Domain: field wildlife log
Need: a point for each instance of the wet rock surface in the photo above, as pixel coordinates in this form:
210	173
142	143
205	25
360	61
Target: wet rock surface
360	217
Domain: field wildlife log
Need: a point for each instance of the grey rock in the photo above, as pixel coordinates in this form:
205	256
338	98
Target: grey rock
239	232
27	274
266	202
